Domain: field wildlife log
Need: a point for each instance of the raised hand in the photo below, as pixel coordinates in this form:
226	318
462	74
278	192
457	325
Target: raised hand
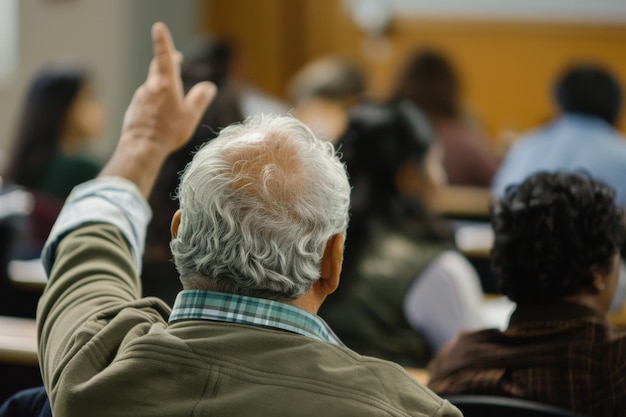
160	118
159	109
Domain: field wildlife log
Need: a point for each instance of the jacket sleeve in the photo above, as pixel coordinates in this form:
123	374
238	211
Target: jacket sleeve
92	258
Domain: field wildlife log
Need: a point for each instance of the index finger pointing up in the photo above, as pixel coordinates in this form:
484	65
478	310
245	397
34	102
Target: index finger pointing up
163	48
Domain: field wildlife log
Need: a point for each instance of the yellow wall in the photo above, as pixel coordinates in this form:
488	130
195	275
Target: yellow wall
507	67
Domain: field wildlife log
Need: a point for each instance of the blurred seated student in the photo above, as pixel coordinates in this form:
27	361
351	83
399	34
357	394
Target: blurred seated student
405	290
323	91
60	118
430	81
210	62
558	238
583	135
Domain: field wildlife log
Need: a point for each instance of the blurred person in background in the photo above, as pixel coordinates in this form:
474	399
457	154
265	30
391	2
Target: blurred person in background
323	91
405	290
430	81
558	238
60	119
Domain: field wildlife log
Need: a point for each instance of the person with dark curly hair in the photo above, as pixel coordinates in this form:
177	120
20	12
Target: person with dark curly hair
558	238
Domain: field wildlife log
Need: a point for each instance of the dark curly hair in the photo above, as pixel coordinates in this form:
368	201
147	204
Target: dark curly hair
551	233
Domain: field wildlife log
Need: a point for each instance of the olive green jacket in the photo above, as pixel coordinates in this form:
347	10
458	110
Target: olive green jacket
104	351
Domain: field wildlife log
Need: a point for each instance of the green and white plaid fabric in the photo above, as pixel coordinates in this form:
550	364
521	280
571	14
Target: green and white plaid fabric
210	305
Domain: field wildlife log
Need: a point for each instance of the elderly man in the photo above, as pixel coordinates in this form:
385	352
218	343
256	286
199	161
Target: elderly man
258	242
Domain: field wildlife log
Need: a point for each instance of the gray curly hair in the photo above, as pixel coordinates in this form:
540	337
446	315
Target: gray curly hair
259	204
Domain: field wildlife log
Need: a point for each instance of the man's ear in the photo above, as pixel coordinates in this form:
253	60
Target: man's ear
599	280
331	264
176	223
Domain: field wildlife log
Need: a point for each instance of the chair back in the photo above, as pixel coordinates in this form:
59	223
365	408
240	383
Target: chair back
492	406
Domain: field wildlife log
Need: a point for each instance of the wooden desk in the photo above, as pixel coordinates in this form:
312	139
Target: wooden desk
474	240
27	274
18	341
465	202
420	375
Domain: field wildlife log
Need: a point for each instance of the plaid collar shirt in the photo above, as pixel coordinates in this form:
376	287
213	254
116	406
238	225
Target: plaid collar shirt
562	354
232	308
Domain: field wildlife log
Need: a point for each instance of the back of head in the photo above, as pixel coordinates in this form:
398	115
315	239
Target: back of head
379	140
330	78
42	122
429	80
589	90
259	204
551	233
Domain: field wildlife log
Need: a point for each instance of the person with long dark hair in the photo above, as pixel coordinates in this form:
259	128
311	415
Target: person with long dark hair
430	81
405	291
61	115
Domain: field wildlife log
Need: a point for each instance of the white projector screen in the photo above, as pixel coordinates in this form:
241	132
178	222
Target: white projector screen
544	10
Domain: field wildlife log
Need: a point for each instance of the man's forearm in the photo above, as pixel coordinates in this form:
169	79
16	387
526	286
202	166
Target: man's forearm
137	159
160	118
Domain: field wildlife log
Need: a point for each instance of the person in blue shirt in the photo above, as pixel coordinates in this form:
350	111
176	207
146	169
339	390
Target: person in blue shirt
583	137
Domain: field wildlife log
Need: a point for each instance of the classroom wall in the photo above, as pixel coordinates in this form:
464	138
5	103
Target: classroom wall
508	61
112	38
508	68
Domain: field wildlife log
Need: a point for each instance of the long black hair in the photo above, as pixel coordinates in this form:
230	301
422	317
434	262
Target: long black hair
551	232
380	139
41	123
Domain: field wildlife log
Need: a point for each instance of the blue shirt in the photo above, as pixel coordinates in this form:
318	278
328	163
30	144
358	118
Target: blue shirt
572	142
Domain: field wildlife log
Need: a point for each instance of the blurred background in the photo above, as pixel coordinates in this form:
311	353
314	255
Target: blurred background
495	63
506	53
